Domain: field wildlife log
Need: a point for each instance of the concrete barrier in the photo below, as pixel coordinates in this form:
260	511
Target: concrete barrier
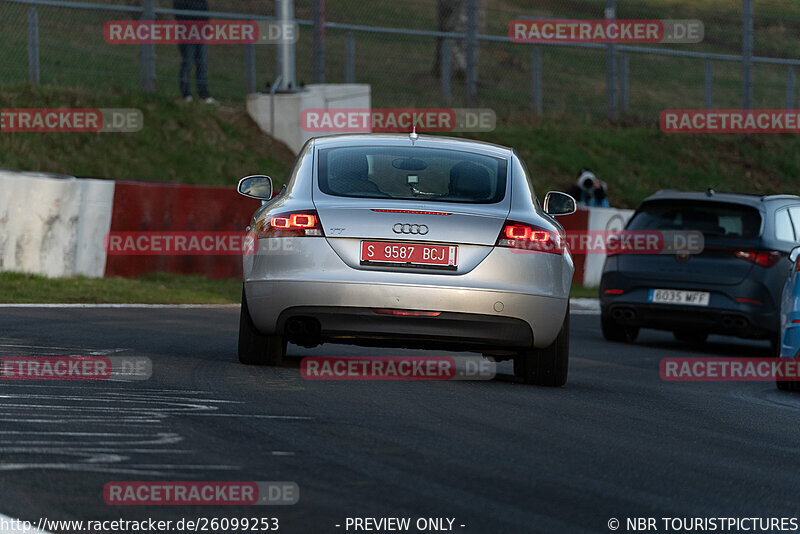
589	267
602	219
148	207
56	226
280	114
53	226
577	222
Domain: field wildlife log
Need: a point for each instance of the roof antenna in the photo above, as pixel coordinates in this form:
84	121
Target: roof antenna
413	135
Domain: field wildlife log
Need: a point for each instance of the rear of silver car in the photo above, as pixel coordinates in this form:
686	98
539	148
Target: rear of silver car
426	243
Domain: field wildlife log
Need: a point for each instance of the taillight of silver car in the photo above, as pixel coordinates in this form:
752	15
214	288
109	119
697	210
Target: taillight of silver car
519	235
301	223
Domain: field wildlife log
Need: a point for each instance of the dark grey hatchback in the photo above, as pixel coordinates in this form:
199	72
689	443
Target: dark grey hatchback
733	287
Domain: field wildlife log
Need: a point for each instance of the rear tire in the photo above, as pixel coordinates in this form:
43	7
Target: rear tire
254	347
614	331
549	366
690	337
775	345
787	385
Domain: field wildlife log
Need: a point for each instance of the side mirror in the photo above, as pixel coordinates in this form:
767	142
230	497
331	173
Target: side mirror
256	186
794	254
557	203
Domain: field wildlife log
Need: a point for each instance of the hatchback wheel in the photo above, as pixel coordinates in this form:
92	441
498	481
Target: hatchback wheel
254	347
548	366
614	331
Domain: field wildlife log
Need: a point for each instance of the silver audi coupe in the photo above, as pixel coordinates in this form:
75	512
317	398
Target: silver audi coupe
399	240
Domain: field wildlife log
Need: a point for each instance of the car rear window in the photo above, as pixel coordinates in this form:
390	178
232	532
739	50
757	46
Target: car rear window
410	173
711	218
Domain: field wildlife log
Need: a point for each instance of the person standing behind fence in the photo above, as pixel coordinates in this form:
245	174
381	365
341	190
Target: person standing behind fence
193	55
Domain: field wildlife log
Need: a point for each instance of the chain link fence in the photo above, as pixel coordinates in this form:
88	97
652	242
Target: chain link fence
397	48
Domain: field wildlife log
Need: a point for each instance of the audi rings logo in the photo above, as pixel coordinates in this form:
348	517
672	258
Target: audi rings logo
417	229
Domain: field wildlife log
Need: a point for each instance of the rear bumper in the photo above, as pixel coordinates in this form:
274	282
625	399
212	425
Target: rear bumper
507	319
711	320
448	330
724	315
790	342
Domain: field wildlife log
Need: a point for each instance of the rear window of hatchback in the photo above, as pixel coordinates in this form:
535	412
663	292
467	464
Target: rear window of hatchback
714	219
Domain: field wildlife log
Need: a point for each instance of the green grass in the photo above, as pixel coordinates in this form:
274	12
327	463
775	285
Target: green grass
578	291
157	288
179	143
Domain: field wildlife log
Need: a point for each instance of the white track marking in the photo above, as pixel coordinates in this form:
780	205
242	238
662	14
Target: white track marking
584	312
55	445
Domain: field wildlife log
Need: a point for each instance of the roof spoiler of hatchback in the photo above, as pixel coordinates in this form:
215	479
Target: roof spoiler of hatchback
778	197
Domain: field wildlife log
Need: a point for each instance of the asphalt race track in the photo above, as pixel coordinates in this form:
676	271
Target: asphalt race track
498	456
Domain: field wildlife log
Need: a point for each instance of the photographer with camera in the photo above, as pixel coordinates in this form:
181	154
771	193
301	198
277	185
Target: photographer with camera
589	191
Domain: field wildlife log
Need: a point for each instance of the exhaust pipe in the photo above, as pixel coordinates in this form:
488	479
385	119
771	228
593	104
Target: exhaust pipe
728	322
623	314
740	323
303	331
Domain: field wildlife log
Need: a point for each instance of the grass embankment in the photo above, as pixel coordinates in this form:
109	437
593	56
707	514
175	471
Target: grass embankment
158	288
179	143
198	144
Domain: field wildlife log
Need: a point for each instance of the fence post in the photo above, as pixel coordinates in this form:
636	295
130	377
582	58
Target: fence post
472	52
319	41
790	87
536	73
147	52
624	68
250	67
709	84
350	58
747	54
611	66
33	46
444	61
285	51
